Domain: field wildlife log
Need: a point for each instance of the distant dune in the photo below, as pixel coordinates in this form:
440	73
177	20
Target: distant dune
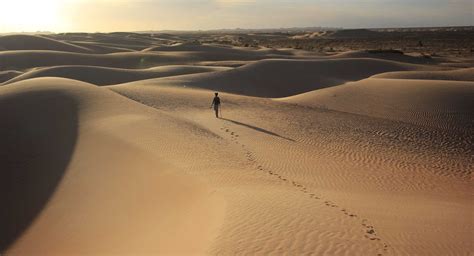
107	76
280	78
102	48
386	55
8	74
220	49
29	59
466	74
28	42
353	33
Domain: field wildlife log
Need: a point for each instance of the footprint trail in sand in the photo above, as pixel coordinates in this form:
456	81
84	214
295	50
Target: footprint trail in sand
368	229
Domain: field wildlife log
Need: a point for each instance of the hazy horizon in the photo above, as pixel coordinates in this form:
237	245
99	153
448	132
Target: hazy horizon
187	15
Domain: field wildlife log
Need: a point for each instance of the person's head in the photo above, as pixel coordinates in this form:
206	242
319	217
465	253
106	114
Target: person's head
216	93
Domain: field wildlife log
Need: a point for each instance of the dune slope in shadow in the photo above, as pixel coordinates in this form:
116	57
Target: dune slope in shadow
38	132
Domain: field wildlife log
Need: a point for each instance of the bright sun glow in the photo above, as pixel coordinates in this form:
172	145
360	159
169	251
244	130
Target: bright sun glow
30	15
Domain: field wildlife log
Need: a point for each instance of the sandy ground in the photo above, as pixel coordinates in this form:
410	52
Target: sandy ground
110	148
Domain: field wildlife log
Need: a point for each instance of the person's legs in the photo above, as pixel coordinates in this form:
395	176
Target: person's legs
216	108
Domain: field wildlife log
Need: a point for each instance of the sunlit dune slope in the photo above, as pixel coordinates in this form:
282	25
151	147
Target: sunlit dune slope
350	170
429	102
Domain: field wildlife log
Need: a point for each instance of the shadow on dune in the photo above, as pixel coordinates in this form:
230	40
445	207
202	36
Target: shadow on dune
257	129
38	135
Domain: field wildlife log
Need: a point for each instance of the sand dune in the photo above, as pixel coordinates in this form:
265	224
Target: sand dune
466	74
8	74
102	48
101	43
286	149
427	102
108	76
72	36
311	35
127	39
28	42
216	52
353	33
225	63
386	55
190	46
69	181
279	78
133	41
30	59
363	156
209	48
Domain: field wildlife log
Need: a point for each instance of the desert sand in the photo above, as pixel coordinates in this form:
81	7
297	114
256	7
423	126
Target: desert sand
109	147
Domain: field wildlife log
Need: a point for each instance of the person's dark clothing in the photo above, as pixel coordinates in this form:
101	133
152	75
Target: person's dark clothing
216	103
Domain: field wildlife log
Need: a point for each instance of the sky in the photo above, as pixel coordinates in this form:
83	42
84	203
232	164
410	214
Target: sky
140	15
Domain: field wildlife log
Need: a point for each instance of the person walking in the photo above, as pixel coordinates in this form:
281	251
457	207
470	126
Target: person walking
216	103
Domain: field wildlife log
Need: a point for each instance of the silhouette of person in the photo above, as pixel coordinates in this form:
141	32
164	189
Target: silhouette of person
216	103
